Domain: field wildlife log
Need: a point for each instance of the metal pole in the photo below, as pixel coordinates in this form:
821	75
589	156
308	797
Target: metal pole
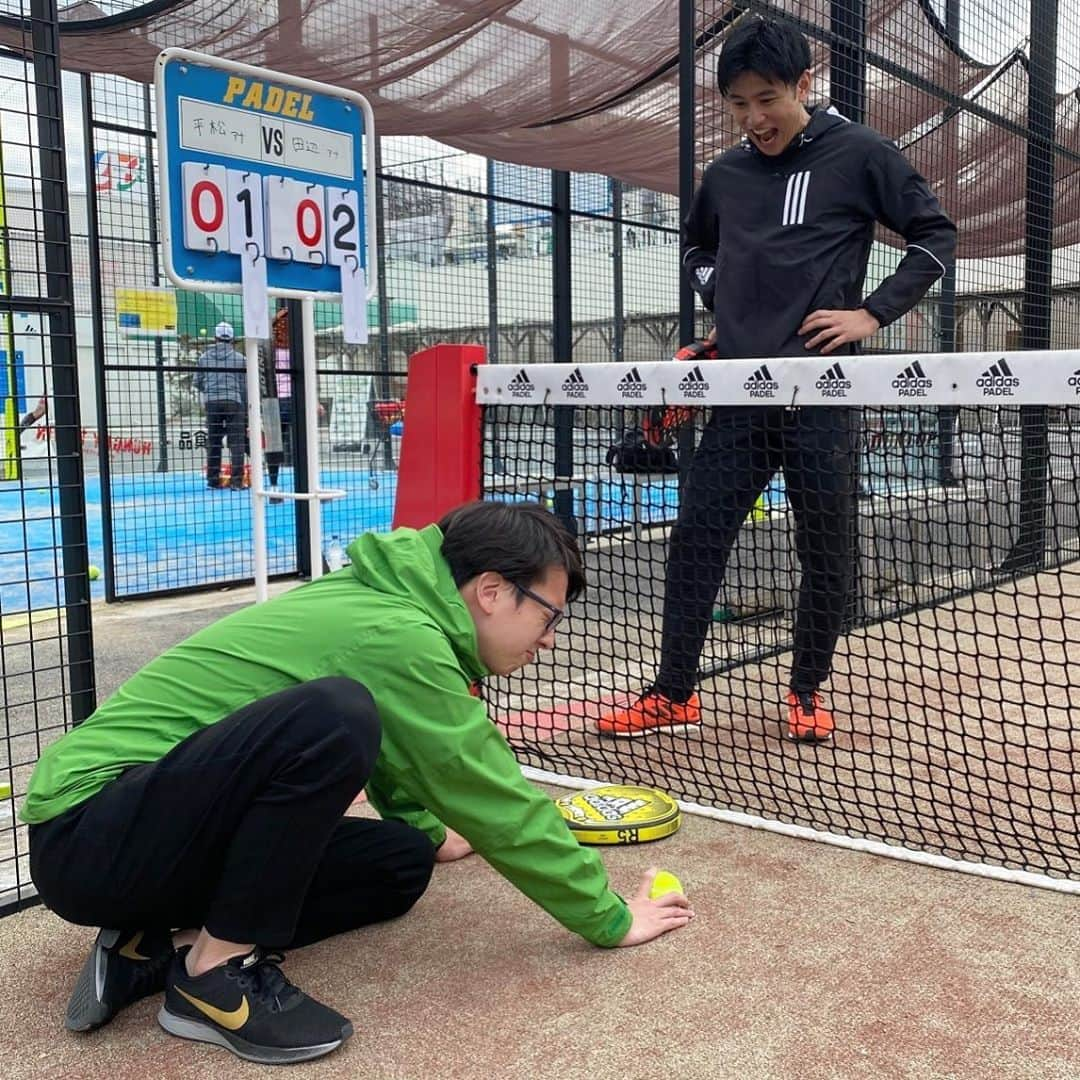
947	415
847	62
382	298
383	293
687	150
618	331
56	236
687	172
159	357
97	314
302	389
497	463
562	344
311	424
258	495
290	36
492	269
1029	550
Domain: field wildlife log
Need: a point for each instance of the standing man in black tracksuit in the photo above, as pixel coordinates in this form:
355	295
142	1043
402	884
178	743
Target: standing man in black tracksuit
776	245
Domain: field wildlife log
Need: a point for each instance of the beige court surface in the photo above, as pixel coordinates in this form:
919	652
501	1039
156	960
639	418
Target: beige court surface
955	729
803	961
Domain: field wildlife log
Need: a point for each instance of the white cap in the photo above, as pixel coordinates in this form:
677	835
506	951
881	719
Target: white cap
224	331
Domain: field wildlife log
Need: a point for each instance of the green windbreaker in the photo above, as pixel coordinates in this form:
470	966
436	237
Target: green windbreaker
396	622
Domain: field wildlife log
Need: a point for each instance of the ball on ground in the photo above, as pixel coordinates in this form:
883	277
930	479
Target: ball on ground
663	884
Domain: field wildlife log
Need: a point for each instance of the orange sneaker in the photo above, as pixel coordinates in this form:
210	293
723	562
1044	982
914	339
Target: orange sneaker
808	719
652	713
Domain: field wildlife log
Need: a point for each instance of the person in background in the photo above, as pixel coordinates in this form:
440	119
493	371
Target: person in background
776	245
222	381
280	375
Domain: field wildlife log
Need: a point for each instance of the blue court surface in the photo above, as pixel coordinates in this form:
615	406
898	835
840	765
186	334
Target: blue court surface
172	532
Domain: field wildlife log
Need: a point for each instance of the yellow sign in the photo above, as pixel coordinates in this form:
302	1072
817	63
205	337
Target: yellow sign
9	465
146	313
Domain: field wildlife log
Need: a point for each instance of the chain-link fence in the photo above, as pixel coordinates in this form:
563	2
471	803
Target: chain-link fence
46	646
534	264
469	251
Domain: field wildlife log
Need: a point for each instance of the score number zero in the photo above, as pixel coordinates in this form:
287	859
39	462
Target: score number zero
290	220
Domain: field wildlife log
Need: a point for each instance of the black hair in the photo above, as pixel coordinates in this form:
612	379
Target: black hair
522	541
771	48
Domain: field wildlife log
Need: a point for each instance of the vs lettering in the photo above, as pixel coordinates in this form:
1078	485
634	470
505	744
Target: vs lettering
272	141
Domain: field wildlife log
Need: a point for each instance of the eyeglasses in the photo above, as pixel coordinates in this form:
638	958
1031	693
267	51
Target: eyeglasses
557	613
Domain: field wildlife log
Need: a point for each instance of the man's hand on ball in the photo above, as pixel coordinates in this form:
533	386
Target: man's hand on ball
655	917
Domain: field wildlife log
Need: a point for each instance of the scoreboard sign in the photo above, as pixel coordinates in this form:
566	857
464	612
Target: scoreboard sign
255	164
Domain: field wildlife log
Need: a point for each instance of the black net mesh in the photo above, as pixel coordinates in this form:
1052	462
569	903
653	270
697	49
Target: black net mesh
965	518
949	580
950	684
46	650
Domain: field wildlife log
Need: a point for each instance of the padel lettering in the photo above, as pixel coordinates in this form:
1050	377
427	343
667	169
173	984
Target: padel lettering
252	94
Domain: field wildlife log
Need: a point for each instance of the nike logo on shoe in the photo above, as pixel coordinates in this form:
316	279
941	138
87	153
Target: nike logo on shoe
232	1020
130	950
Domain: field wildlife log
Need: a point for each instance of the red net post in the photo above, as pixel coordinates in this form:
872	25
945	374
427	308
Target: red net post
441	444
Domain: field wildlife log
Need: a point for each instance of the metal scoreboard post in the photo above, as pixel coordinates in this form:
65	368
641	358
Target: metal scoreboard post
252	156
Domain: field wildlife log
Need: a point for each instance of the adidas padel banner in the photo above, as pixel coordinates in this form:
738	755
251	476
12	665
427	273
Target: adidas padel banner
1038	377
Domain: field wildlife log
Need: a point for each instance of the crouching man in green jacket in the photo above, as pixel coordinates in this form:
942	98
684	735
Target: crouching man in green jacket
197	815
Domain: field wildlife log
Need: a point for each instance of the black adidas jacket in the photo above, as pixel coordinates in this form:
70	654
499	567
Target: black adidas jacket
769	240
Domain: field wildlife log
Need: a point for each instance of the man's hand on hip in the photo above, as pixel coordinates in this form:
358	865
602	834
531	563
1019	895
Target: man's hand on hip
831	329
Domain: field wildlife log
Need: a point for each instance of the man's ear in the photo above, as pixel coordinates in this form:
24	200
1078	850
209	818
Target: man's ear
802	87
486	588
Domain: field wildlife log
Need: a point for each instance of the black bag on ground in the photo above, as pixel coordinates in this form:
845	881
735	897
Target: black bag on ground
633	453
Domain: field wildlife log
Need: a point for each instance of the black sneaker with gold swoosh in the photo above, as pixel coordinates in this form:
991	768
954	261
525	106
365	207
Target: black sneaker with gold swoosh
123	966
249	1007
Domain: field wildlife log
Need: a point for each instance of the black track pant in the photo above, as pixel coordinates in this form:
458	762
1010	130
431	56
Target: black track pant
239	828
225	419
740	451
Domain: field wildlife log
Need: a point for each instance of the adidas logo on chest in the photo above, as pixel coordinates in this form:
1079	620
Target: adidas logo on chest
795	191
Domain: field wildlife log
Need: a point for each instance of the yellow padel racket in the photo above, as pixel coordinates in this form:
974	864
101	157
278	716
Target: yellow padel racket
618	814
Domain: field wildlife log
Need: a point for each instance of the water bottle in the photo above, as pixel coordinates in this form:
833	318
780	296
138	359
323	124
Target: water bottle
335	554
